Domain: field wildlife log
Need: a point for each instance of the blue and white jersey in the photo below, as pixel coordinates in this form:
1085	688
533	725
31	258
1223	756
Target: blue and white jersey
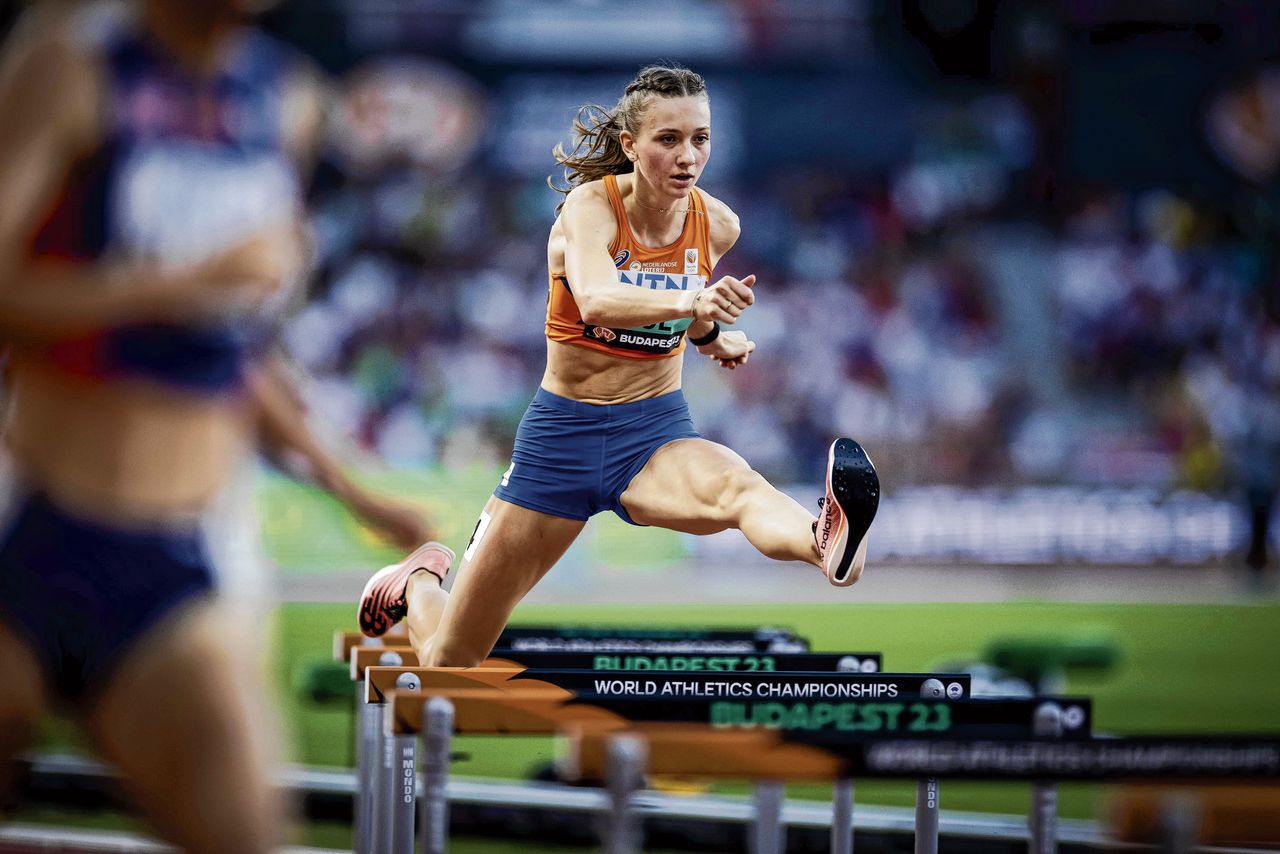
189	165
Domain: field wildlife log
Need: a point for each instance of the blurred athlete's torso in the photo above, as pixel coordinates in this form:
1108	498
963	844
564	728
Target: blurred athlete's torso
144	421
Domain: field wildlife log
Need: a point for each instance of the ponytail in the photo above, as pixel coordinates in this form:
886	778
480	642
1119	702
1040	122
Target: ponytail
597	150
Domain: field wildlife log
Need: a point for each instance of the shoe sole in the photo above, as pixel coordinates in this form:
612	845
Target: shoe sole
385	588
378	596
853	483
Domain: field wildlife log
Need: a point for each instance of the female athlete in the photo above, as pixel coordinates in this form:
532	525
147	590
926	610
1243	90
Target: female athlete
630	257
149	189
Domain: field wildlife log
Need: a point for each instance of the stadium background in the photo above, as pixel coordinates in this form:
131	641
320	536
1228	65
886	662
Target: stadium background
1023	251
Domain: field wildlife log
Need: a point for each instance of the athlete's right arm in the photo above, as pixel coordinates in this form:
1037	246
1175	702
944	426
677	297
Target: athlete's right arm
50	99
285	435
589	227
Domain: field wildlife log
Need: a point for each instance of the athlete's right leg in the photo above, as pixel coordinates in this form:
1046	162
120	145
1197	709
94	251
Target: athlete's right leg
22	700
700	487
182	717
510	551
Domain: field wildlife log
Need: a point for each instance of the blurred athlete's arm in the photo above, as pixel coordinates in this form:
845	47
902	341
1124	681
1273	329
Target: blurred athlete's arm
284	436
307	100
589	227
51	104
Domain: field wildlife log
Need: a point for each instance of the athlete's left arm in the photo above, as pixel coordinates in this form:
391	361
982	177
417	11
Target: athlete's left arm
284	431
729	348
307	100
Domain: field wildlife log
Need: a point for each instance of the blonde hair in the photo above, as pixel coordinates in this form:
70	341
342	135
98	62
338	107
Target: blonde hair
597	150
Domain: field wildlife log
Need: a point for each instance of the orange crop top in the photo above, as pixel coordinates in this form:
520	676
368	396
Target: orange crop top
683	265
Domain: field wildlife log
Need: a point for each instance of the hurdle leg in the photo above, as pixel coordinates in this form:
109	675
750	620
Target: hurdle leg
842	817
1180	818
927	817
358	811
400	784
383	790
1043	818
625	770
367	760
384	768
400	772
768	832
437	747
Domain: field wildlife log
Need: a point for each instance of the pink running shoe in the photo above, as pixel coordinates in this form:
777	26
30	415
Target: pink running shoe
853	496
382	604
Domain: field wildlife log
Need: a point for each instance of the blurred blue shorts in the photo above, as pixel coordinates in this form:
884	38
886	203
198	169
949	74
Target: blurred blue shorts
81	594
575	459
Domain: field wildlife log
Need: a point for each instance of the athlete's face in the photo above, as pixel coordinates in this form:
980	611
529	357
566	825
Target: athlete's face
673	144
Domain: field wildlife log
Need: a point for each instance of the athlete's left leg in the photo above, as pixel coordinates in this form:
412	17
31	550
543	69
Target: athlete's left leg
183	720
700	487
22	701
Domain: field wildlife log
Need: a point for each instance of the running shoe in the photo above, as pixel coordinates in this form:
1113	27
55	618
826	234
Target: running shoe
846	511
383	604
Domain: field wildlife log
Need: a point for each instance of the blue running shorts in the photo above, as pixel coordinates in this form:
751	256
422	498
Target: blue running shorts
575	459
80	593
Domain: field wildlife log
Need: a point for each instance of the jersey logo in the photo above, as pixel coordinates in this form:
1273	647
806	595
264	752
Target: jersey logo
622	257
691	261
604	333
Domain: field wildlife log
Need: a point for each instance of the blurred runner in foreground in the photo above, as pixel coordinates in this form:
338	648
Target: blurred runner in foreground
149	230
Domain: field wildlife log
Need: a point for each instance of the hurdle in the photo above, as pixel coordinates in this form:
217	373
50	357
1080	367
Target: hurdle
566	695
544	710
731	650
585	684
745	648
614	689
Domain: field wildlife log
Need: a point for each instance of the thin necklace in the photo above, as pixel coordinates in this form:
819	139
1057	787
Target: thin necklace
661	210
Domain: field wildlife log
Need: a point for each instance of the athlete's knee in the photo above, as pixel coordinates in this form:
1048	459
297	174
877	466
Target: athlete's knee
17	733
22	703
441	656
735	489
446	652
19	714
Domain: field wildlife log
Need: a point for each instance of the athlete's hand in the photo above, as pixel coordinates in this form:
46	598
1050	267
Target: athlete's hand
234	281
725	300
258	265
398	522
730	349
